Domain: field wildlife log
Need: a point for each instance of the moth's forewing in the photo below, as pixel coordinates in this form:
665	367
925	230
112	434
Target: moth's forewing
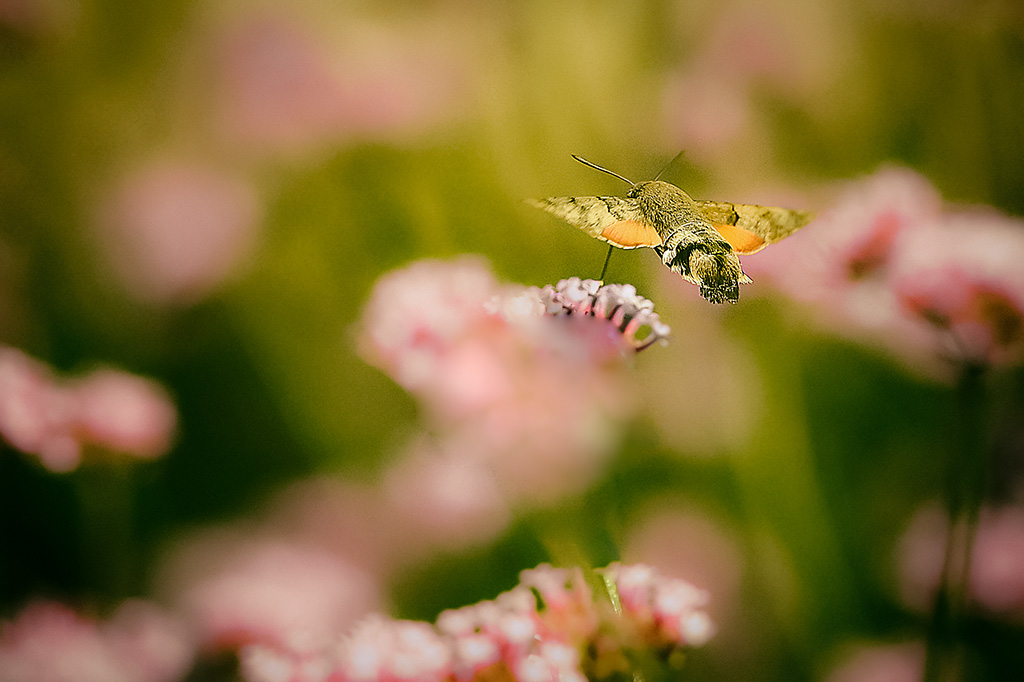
615	220
749	227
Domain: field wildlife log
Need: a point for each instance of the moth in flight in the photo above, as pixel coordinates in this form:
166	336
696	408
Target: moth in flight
700	240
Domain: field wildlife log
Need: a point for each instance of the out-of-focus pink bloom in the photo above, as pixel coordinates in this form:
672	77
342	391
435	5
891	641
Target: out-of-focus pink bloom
48	642
106	409
35	413
881	663
850	244
282	87
705	111
996	581
963	276
124	412
692	547
997	573
550	627
174	230
416	314
436	499
525	383
885	265
37	18
351	520
710	105
234	591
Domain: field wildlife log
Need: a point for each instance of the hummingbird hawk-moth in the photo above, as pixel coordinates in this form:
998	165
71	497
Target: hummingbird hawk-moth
699	240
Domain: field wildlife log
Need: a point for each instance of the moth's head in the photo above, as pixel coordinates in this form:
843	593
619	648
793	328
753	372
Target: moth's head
657	190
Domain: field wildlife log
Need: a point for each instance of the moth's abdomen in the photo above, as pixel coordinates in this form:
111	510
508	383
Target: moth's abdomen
699	254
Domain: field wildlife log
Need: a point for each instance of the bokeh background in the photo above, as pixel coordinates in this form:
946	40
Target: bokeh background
204	194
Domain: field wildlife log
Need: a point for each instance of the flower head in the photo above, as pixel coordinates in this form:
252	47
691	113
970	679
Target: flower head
619	303
49	642
962	276
236	590
551	626
58	419
173	231
996	581
886	264
902	662
522	384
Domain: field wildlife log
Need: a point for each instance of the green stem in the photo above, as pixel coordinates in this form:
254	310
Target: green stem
604	269
966	471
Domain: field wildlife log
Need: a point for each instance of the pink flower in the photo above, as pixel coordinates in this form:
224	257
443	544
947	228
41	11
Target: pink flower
34	413
56	420
523	383
996	581
963	277
237	590
852	243
691	546
881	663
416	314
124	412
286	87
618	303
173	231
48	642
433	498
744	53
706	110
550	627
886	265
37	18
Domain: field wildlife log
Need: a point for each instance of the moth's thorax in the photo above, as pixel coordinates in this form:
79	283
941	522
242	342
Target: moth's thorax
665	205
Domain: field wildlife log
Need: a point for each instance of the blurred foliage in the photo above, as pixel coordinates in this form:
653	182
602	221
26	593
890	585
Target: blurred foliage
265	370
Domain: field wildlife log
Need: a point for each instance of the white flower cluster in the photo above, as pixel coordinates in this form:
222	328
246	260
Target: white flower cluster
618	303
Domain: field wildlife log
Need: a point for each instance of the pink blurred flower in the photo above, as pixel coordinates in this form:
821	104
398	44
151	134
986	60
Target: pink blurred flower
881	663
56	419
353	521
173	230
436	499
852	243
233	590
885	265
283	87
549	627
524	383
124	412
417	313
48	642
996	582
963	277
744	50
38	18
691	546
705	111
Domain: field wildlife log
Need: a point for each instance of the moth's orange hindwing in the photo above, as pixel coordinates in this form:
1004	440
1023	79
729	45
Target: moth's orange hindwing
742	241
630	234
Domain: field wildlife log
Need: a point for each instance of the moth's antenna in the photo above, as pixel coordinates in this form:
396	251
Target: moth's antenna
671	163
603	170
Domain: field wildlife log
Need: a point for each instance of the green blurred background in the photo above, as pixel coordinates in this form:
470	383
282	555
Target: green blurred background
370	134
